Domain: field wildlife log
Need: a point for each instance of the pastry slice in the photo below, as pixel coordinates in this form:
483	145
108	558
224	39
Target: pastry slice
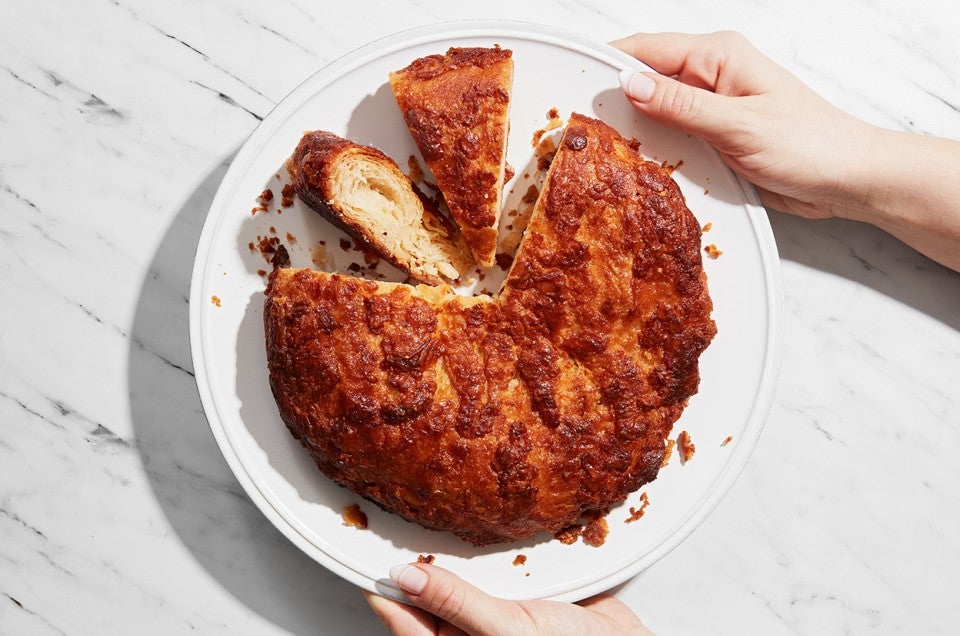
363	191
456	108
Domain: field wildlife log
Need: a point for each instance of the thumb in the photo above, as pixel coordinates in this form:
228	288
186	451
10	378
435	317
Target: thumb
678	105
455	601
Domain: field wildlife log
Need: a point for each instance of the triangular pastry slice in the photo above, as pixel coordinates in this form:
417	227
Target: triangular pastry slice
456	107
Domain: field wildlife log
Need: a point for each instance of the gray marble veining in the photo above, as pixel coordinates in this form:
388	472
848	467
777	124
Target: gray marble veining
119	515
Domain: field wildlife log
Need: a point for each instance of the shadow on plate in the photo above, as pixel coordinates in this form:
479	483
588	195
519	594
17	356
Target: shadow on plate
202	500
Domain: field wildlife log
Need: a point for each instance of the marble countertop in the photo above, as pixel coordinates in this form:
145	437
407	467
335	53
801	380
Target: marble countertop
119	515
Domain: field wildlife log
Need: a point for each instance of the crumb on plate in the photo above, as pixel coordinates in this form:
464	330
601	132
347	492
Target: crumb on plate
354	517
667	453
687	447
636	513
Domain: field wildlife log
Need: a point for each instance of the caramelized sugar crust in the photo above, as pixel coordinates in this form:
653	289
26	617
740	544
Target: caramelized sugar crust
498	418
456	108
362	191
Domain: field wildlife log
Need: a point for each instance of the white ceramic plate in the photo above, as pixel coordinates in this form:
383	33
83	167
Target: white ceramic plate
352	97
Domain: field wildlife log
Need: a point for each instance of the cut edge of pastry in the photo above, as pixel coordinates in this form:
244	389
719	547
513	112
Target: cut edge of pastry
364	192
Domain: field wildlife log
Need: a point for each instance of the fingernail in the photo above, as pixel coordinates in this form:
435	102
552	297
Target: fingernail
409	578
618	43
637	85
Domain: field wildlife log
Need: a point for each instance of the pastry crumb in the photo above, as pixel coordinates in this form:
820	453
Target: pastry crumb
429	559
530	196
354	517
286	195
569	535
268	246
667	453
414	169
520	559
546	151
687	447
595	533
554	121
636	513
215	300
727	441
504	260
712	251
707	227
319	256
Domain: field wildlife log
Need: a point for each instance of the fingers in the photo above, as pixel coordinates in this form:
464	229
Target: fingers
617	611
400	619
716	118
452	599
723	62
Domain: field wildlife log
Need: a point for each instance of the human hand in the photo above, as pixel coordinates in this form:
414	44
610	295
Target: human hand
800	151
446	604
804	155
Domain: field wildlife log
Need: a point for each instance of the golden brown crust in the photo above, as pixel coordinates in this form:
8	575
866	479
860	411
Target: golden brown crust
496	419
456	106
313	168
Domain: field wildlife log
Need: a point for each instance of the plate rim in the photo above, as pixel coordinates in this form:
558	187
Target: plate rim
763	234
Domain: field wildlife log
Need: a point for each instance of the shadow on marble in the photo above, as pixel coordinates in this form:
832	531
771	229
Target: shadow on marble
202	500
868	256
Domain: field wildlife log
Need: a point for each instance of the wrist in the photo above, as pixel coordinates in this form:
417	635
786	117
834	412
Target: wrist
862	187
